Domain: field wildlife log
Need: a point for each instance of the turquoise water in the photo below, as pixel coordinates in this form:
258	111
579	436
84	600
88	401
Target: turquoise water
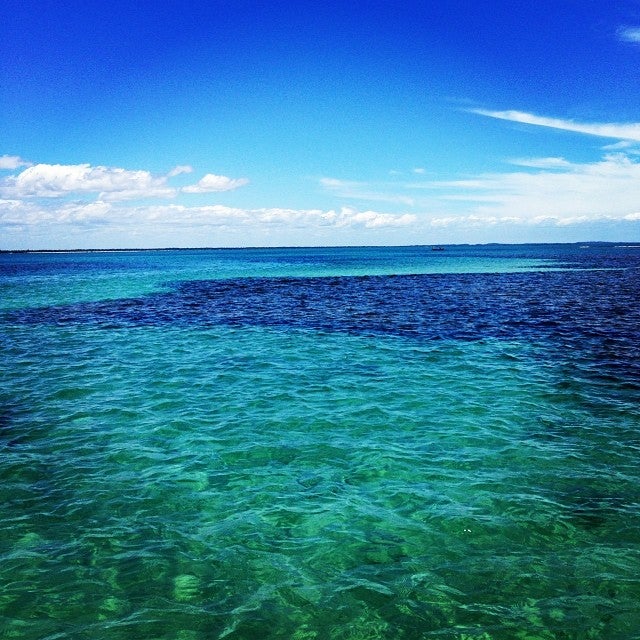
337	443
56	278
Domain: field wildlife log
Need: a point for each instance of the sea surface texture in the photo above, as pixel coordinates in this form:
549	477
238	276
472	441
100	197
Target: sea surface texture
302	444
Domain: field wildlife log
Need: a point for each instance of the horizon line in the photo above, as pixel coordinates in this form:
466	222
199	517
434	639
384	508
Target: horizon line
336	246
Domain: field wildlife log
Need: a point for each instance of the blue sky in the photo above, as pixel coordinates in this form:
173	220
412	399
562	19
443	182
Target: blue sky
278	123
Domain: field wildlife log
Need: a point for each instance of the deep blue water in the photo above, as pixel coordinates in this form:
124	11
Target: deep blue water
321	443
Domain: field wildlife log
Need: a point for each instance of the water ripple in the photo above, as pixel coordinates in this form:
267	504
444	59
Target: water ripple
412	457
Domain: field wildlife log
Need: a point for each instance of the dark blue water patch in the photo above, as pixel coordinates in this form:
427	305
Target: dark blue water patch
594	306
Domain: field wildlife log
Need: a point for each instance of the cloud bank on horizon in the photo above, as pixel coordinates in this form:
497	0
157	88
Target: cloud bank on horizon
353	145
81	195
535	191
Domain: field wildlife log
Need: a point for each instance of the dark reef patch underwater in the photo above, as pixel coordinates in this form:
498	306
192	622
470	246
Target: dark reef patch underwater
347	443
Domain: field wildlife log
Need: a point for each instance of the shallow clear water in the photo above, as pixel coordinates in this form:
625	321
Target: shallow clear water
321	443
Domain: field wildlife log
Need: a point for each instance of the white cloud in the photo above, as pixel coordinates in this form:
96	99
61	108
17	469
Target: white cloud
29	213
12	162
301	218
335	184
212	183
375	220
176	171
107	183
628	131
57	180
536	191
564	192
542	163
629	34
547	190
627	145
364	191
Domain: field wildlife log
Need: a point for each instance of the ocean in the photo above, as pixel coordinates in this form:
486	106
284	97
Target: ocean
321	443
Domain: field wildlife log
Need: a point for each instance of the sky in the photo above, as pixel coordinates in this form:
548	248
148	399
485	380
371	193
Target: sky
236	123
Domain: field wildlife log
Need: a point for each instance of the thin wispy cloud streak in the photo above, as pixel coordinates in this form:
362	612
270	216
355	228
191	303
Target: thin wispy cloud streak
624	131
629	34
364	191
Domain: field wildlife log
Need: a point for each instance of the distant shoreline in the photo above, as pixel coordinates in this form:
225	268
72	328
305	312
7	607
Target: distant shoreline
629	245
